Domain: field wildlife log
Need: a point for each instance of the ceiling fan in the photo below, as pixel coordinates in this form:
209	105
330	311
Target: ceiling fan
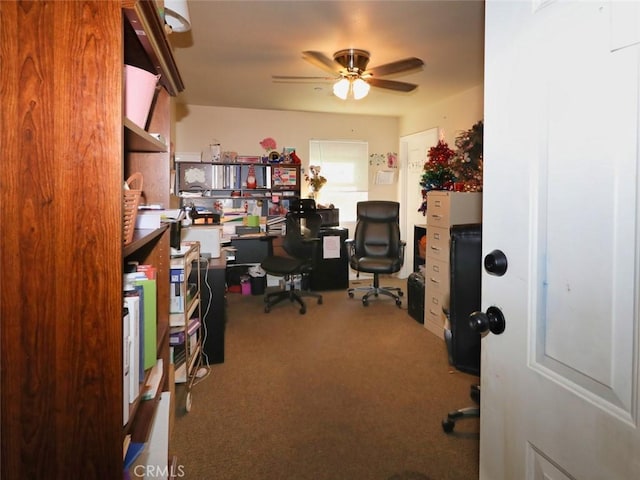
349	68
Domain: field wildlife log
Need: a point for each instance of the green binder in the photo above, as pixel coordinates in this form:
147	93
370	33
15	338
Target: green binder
150	321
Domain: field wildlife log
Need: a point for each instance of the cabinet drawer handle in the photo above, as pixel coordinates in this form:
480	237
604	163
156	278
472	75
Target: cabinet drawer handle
432	312
435	249
436	217
434	280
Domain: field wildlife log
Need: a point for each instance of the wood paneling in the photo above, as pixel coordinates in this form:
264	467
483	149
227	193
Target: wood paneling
60	239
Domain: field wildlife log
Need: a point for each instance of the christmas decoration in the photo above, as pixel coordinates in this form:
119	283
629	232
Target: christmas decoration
467	160
437	174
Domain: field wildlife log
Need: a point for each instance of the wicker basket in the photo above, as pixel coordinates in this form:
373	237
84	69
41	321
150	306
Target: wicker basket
132	193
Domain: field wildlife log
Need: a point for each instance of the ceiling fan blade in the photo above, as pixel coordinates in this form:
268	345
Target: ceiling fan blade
391	84
285	78
404	65
301	80
320	60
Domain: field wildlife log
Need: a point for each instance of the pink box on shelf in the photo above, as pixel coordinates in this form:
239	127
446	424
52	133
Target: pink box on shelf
139	90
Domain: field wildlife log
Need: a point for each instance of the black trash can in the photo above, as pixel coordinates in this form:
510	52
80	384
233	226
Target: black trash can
415	296
258	285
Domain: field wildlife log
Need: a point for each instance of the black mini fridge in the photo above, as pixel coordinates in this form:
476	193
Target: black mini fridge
331	271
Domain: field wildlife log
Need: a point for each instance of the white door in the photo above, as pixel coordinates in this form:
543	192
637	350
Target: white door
413	155
560	395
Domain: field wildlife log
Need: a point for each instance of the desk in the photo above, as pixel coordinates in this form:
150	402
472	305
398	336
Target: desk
329	273
251	249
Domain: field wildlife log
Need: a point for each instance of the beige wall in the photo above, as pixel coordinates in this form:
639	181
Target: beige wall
241	130
453	115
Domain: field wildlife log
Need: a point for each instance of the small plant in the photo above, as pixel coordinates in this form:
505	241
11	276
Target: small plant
315	180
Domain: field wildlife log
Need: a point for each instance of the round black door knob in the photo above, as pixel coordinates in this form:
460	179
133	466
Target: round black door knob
495	263
492	321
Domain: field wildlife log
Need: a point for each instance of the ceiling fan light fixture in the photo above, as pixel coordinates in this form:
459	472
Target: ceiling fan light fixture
357	88
341	88
360	88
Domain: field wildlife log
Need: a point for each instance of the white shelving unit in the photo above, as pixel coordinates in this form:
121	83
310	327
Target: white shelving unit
186	316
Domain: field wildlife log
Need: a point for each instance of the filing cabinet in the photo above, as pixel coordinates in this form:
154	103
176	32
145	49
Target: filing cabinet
444	209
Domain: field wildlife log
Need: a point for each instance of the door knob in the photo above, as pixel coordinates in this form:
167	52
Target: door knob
495	263
493	320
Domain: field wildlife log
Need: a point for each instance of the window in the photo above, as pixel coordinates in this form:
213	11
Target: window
345	165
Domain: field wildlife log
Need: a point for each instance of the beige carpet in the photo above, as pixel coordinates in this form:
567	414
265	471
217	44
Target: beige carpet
342	392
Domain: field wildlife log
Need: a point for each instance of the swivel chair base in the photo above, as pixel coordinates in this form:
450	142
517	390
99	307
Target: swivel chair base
377	290
449	423
292	295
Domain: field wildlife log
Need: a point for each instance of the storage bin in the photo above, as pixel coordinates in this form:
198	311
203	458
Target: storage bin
258	285
132	192
139	90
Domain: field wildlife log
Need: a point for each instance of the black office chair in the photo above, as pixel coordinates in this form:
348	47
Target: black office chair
300	243
463	342
376	247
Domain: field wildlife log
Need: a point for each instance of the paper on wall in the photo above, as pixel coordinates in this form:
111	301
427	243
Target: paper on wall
385	177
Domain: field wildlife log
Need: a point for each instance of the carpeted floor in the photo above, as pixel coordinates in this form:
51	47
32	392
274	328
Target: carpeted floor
344	392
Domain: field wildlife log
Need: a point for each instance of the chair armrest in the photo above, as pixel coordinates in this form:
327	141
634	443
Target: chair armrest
350	243
310	240
403	244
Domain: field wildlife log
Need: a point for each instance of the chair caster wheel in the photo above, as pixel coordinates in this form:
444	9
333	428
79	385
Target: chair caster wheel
350	294
303	311
400	293
399	303
365	302
319	301
447	425
267	309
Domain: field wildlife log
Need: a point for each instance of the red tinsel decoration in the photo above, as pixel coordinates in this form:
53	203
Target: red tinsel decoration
437	174
440	153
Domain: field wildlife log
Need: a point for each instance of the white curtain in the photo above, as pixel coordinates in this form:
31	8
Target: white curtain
345	165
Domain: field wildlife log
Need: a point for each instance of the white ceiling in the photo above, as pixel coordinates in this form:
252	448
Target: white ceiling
234	47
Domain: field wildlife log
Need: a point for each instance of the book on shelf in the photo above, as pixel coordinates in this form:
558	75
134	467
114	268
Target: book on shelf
149	332
157	446
178	301
150	271
126	369
132	302
176	274
177	336
178	354
133	452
